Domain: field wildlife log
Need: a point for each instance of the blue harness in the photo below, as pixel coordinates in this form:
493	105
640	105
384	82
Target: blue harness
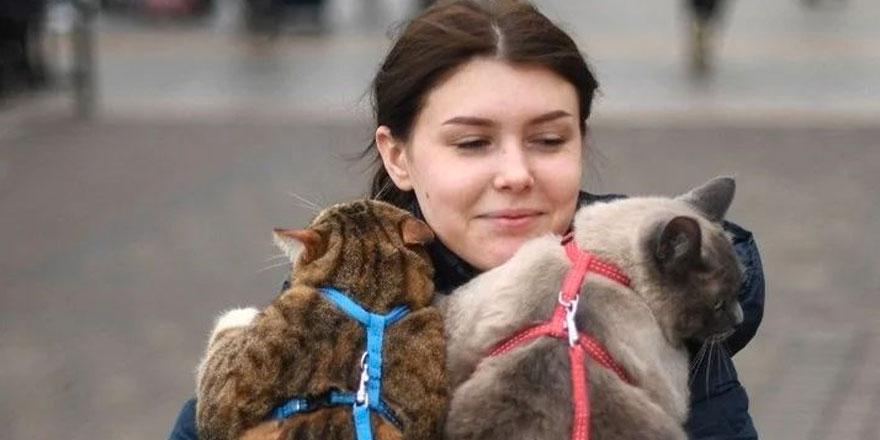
369	394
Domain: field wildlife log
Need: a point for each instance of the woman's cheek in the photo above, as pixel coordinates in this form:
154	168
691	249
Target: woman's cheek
563	176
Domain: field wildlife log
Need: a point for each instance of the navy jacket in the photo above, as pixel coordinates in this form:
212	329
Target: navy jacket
719	404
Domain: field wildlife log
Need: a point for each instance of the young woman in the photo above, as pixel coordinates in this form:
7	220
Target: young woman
481	113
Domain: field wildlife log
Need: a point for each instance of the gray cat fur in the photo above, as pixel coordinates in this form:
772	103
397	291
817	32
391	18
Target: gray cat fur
525	393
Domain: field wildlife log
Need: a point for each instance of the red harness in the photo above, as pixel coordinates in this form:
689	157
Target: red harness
562	326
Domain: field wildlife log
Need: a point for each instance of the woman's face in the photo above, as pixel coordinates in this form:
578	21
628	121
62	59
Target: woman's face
494	158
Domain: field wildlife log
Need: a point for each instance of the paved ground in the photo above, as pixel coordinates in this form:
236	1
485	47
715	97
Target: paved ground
122	237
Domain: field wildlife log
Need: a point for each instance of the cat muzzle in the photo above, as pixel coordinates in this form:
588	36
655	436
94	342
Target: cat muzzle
736	312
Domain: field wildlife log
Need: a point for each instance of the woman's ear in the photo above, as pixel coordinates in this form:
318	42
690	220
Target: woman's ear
394	158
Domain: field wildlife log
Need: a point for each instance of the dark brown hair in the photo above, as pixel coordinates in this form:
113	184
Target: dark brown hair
446	36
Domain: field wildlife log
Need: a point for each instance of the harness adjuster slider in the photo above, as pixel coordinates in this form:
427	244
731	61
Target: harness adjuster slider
570	325
361	397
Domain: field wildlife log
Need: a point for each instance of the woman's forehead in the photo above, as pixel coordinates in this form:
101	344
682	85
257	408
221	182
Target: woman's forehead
487	88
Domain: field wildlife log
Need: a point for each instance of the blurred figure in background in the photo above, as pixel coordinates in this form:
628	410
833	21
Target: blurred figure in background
704	17
22	62
178	7
265	18
163	8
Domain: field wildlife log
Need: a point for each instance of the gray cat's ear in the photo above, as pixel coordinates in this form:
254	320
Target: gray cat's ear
713	198
296	242
415	231
677	245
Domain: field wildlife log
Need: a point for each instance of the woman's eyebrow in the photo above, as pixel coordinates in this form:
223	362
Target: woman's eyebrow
470	120
546	117
483	122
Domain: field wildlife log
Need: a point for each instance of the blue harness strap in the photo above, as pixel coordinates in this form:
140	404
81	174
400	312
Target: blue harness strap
369	395
291	407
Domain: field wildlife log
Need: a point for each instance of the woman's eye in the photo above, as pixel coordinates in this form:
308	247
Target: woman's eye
719	305
472	143
550	142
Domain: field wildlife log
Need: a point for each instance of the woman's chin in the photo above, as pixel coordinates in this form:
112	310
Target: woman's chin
498	252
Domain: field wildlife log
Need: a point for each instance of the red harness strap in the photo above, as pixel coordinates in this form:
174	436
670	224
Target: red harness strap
562	326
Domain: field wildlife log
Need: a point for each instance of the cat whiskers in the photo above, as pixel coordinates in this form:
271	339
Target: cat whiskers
709	364
713	346
728	370
283	263
385	187
305	203
275	257
697	361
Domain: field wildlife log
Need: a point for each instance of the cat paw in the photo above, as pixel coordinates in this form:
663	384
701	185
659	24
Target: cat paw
234	318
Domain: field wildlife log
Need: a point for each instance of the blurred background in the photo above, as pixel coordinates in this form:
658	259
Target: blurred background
147	148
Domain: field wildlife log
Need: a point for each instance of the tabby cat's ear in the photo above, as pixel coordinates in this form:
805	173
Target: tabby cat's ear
294	242
677	245
713	198
415	231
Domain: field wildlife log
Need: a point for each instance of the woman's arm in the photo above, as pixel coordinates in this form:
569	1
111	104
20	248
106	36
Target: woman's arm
751	294
185	426
719	403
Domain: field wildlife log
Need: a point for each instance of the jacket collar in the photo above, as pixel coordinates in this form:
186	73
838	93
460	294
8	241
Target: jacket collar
450	271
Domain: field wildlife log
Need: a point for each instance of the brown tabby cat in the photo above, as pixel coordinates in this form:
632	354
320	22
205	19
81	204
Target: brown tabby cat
302	345
685	278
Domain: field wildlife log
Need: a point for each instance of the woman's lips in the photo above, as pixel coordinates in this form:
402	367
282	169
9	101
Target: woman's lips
513	219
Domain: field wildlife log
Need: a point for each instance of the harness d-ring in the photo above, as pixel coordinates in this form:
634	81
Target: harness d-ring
361	396
570	311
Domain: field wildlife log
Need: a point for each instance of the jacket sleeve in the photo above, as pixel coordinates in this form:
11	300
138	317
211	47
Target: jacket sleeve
723	416
751	294
185	426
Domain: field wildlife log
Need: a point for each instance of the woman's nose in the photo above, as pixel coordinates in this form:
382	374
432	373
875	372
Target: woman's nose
514	172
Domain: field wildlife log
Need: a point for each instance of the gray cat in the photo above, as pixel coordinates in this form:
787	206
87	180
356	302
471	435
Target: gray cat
684	276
